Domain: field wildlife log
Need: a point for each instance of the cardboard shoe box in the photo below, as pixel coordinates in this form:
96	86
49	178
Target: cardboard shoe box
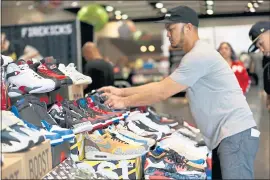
12	168
35	162
121	169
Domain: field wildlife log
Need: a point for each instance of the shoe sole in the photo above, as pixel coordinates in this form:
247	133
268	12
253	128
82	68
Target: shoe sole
81	129
81	82
67	137
36	91
92	155
56	142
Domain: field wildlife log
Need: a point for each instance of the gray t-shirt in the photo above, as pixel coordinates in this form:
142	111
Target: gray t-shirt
216	100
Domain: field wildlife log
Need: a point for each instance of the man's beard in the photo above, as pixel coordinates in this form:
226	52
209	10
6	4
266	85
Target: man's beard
180	45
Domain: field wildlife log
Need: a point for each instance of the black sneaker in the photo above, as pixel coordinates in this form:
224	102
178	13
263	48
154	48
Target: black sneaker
68	119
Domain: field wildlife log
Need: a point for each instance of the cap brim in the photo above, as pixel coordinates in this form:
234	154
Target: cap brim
164	21
252	48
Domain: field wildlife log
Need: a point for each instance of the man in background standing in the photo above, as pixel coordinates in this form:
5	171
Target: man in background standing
96	67
260	36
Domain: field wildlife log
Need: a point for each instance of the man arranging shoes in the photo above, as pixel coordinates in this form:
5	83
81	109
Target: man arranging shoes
216	100
260	36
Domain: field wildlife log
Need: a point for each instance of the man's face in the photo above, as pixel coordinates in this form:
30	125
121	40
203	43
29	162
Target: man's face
263	43
175	33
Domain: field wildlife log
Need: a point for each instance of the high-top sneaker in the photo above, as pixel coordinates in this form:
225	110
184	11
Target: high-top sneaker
48	68
24	80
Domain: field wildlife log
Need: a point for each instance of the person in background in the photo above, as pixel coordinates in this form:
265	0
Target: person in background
96	67
260	37
228	53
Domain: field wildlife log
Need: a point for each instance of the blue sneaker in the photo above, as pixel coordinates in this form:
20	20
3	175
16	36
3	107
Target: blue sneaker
55	139
66	134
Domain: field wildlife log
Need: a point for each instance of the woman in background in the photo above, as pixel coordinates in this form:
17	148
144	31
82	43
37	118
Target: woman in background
226	50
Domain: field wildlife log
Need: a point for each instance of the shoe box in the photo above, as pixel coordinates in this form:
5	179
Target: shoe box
71	92
12	168
62	171
115	169
35	162
60	153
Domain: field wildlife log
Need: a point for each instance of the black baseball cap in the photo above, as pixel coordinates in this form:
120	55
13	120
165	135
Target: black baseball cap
255	32
181	14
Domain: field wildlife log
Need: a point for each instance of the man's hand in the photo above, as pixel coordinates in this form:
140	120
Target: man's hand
268	102
113	101
112	90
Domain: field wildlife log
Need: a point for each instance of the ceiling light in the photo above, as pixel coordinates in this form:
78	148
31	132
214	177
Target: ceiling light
18	3
260	1
74	4
31	7
117	12
159	5
210	12
118	17
256	5
143	48
109	8
252	10
210	3
250	5
151	48
124	16
119	2
163	10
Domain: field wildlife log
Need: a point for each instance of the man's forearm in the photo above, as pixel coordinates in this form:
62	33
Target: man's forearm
136	90
143	98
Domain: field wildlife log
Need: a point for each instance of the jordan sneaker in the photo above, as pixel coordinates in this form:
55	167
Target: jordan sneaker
172	162
48	68
12	141
77	77
5	60
109	147
97	116
66	134
66	119
24	80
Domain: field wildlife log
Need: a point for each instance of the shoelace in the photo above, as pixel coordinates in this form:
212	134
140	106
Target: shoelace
114	138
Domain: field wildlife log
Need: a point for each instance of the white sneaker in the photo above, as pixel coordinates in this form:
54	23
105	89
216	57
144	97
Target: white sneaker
24	80
76	76
5	60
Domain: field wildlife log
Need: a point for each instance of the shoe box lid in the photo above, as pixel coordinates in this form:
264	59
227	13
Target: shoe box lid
36	162
118	169
12	168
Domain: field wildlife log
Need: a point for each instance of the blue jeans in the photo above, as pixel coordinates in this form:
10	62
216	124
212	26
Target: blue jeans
234	157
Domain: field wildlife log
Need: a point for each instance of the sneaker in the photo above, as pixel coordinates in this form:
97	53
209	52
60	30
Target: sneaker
130	135
112	130
48	68
98	117
55	139
66	119
77	77
143	121
172	162
159	119
66	134
153	173
142	130
5	60
24	80
109	147
17	125
12	141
